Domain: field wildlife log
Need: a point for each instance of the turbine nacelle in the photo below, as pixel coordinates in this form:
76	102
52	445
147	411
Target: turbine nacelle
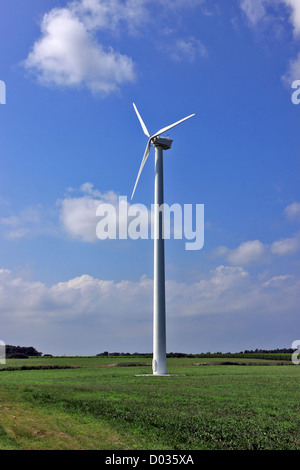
154	139
164	142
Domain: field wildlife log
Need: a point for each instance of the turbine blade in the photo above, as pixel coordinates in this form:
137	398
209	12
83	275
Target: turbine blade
142	165
146	132
172	125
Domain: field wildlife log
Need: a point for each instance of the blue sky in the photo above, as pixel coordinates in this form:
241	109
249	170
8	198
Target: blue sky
70	139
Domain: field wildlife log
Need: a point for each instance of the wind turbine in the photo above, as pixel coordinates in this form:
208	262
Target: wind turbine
159	366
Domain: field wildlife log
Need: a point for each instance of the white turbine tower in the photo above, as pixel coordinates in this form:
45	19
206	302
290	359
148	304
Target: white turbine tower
159	305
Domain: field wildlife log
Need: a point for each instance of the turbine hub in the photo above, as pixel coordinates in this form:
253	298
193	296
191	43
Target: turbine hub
164	142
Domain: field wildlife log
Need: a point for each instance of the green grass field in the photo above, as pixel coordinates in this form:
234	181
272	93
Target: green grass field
99	403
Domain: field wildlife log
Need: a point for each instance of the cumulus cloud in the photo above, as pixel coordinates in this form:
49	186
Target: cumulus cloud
255	252
108	313
246	253
88	215
80	215
67	53
74	216
78	211
286	246
86	294
292	211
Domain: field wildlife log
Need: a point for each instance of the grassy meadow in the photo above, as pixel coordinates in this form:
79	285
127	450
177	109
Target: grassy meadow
98	403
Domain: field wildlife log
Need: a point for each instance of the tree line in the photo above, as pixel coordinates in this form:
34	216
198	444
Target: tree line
25	351
207	354
21	351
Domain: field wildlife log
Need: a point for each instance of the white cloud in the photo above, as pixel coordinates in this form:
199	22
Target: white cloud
67	54
270	12
31	221
254	251
188	49
286	246
78	212
111	14
87	295
293	71
254	10
112	314
246	253
294	5
79	219
292	211
277	280
260	10
75	217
